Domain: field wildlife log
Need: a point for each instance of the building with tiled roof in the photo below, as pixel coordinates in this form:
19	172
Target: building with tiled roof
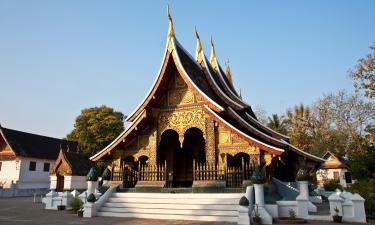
26	159
192	119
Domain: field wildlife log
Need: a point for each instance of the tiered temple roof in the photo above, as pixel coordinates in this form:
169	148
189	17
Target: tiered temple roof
214	87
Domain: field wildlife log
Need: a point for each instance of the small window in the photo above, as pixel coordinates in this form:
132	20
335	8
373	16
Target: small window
1	163
336	175
32	166
46	167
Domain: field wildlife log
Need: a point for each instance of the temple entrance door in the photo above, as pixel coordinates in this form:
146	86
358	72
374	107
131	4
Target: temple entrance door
238	169
166	153
59	183
129	176
193	149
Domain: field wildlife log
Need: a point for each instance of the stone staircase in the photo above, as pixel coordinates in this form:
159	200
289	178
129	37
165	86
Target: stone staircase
184	206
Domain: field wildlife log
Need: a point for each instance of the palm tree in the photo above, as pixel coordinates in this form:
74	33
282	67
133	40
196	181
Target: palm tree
278	124
300	124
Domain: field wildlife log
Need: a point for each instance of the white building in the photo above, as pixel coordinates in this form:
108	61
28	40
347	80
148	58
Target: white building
335	168
26	160
69	172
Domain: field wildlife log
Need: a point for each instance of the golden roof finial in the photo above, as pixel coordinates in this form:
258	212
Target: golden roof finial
199	45
170	29
227	72
213	54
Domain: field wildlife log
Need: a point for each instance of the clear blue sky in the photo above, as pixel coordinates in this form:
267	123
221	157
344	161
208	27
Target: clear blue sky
57	57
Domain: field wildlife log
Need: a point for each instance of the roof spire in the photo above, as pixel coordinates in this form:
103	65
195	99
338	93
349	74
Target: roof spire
240	93
199	45
170	29
227	72
213	54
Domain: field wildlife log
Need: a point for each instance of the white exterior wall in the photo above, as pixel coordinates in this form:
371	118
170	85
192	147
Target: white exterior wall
10	171
328	174
34	179
52	182
75	183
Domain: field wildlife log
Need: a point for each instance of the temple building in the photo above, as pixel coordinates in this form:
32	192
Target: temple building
194	129
26	160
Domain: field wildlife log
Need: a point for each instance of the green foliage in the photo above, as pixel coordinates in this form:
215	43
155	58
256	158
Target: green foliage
339	122
292	214
302	175
106	174
332	185
277	123
76	204
364	74
258	176
366	189
244	201
96	127
370	208
256	217
362	163
336	210
299	120
92	175
91	198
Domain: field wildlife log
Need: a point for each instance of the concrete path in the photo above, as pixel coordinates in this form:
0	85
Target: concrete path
23	211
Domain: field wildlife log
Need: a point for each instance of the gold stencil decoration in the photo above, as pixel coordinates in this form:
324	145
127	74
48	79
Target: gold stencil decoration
223	137
180	97
180	121
237	139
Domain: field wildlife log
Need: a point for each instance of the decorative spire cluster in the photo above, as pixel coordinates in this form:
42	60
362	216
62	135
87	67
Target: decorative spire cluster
170	29
228	73
199	49
213	54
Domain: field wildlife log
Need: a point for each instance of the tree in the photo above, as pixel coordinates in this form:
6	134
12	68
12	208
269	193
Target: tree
96	127
277	123
364	74
341	121
299	121
261	114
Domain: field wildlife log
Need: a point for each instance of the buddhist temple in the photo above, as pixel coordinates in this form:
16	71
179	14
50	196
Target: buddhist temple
193	129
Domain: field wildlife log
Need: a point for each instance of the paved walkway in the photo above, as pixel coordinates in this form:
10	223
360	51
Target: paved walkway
24	212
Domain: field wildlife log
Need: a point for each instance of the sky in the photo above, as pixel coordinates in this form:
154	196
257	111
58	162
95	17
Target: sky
58	57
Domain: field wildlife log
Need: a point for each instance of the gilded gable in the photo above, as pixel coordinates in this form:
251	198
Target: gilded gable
178	94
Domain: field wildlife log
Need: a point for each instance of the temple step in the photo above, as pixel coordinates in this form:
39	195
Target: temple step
201	207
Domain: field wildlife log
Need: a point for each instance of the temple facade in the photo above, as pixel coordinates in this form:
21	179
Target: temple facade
194	129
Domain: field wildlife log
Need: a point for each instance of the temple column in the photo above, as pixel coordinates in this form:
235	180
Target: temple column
154	148
210	141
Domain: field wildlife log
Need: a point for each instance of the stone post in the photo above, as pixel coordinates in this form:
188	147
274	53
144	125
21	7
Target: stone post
335	201
91	186
259	194
92	181
303	200
244	213
66	198
359	213
304	189
48	199
89	210
249	196
259	201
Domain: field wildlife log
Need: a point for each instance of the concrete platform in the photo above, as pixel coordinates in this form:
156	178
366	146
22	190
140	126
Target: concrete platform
24	211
